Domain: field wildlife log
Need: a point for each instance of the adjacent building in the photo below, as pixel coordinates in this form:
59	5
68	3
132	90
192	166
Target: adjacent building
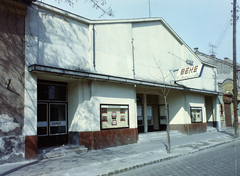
99	83
12	79
225	85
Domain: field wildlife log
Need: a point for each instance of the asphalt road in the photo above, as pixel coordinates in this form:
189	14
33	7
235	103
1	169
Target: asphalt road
223	160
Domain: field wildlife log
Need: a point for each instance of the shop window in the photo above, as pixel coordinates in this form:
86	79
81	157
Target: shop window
139	116
149	115
139	98
196	115
114	116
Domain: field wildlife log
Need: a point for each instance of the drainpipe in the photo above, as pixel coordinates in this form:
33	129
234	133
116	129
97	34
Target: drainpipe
145	113
215	76
133	59
94	63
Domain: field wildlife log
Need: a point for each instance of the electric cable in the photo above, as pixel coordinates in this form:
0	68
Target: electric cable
223	32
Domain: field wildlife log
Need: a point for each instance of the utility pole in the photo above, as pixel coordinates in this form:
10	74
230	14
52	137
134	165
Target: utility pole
149	8
236	133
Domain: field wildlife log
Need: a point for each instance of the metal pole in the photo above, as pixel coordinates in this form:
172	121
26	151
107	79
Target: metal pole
149	8
235	72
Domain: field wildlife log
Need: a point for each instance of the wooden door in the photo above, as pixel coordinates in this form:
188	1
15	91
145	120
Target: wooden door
227	110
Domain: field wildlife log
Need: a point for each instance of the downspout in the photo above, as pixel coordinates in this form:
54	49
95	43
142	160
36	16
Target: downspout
133	59
94	62
215	76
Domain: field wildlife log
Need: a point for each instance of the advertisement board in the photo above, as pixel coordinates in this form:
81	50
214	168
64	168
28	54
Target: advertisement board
189	72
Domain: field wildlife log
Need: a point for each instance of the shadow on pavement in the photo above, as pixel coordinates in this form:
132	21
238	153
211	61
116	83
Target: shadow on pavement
224	132
18	168
166	147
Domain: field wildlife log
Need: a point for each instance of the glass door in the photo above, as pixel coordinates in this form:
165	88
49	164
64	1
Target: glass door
52	113
162	118
42	119
57	119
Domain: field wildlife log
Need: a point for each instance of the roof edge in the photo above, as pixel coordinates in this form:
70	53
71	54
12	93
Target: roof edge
89	21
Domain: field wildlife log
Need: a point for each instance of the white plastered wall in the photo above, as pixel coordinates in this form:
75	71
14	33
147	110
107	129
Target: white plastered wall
114	49
62	41
30	105
51	40
153	44
30	94
179	106
85	98
196	100
205	82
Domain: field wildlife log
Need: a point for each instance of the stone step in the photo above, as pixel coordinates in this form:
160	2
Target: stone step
59	151
211	129
159	135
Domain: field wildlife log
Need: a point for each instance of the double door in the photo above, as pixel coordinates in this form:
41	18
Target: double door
52	124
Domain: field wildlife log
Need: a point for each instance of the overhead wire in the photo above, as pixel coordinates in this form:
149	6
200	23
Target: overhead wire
223	32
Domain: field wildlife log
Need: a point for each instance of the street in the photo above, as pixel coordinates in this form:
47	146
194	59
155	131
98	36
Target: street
220	161
212	153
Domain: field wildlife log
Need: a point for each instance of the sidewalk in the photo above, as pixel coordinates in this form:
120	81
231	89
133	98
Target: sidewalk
119	159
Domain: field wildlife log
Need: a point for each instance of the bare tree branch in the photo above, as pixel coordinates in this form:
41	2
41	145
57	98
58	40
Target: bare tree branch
97	4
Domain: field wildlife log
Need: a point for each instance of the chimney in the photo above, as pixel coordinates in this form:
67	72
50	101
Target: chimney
196	49
226	59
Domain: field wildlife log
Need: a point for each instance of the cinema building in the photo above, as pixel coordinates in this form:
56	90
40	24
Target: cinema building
101	83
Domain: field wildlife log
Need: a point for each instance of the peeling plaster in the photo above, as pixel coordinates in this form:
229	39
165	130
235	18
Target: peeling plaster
11	149
7	124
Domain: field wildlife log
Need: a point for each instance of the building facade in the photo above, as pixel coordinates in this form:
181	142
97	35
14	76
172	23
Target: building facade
100	83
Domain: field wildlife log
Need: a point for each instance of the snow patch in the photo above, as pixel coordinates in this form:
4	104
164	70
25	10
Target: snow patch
7	124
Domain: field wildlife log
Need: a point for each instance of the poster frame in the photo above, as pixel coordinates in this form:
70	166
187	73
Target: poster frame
121	114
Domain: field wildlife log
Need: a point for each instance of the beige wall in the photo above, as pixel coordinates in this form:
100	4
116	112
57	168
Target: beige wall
85	98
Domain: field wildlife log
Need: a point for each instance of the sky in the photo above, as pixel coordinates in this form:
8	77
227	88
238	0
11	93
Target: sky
200	23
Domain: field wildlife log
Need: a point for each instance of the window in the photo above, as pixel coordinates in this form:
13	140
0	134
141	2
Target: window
52	92
149	115
114	116
196	114
139	116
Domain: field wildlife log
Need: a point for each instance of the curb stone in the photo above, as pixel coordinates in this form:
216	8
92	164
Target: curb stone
211	146
163	159
139	165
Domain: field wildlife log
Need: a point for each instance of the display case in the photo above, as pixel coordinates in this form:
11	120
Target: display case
196	114
114	116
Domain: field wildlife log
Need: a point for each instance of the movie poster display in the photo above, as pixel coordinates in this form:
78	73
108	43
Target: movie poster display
114	116
196	115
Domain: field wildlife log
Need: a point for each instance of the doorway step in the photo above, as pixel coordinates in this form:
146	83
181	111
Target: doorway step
60	151
157	136
211	129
